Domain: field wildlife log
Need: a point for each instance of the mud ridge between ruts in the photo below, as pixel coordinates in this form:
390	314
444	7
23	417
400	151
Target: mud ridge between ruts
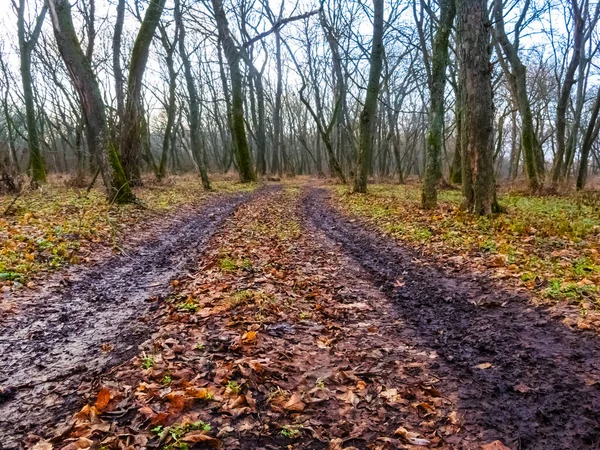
68	335
542	390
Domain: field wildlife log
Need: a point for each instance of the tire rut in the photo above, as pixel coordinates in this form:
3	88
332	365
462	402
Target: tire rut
53	348
542	390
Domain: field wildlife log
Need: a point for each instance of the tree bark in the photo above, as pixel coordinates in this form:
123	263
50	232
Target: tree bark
133	128
197	148
368	115
591	135
92	106
437	86
518	82
565	94
232	55
37	167
478	159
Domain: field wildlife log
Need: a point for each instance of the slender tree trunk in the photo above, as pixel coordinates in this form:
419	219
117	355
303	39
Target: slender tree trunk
232	55
591	135
92	106
133	131
368	116
518	81
197	148
437	86
565	94
118	71
37	166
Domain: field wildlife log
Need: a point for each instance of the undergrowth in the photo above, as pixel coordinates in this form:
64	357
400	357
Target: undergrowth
547	244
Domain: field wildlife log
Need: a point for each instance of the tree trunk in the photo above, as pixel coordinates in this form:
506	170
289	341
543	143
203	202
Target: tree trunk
565	94
232	55
37	166
437	85
474	52
92	106
591	135
368	115
518	81
133	132
118	71
197	148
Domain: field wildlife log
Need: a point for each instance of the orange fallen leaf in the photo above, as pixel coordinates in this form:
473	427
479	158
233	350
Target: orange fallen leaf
103	399
249	337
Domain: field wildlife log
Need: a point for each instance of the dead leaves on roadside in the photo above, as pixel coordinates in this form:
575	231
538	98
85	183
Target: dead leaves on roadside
273	343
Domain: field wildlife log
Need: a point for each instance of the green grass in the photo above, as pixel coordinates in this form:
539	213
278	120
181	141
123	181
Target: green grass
537	240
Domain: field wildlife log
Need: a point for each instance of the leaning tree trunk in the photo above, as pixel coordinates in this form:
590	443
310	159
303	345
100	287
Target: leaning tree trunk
133	130
478	146
197	148
591	135
118	71
565	94
232	55
532	152
437	86
368	116
92	106
37	166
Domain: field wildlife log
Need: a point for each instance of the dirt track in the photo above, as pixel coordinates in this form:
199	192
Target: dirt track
542	390
52	350
514	373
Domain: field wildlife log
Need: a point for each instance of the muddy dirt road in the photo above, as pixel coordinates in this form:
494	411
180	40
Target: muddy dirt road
521	376
68	334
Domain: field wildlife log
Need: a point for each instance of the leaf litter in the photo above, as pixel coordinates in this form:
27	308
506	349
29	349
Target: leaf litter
278	340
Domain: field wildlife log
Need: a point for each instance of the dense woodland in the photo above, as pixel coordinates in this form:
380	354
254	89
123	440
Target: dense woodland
468	92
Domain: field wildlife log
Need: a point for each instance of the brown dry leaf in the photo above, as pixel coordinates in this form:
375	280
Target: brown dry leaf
42	445
103	399
199	436
294	403
350	397
483	366
496	445
200	393
453	418
335	444
83	443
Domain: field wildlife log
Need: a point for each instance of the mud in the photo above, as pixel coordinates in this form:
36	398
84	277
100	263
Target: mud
65	336
521	376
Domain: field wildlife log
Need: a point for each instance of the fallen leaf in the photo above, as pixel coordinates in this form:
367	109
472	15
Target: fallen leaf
335	444
199	436
103	399
294	403
350	397
42	445
483	366
249	337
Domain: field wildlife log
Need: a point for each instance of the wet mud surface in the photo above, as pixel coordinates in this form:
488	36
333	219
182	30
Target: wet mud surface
521	376
52	350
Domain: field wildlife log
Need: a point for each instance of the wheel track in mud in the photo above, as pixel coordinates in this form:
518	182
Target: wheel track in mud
55	342
543	388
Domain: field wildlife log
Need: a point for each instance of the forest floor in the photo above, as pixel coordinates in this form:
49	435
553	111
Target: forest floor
299	324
